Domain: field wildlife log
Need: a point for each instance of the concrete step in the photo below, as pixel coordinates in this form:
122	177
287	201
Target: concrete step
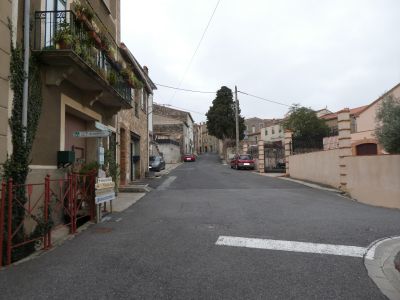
134	188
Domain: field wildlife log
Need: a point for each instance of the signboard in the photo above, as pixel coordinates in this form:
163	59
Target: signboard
104	190
100	152
105	197
101	126
92	134
104	179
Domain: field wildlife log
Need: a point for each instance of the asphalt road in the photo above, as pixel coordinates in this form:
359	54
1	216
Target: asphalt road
164	245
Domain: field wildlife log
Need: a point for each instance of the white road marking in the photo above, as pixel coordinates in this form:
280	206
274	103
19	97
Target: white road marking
166	183
292	246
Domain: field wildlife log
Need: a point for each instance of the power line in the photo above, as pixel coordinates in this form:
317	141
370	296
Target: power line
261	98
197	48
184	109
185	90
208	92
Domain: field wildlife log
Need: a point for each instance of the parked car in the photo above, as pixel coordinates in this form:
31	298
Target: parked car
242	161
156	163
189	157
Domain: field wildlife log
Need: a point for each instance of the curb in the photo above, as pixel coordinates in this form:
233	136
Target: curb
54	246
379	260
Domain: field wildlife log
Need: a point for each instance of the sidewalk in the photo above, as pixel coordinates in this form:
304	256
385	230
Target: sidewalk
126	199
380	262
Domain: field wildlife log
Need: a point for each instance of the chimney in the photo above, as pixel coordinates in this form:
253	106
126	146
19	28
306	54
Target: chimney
146	70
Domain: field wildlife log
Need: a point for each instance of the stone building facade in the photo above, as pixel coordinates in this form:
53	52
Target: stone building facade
208	143
133	126
175	125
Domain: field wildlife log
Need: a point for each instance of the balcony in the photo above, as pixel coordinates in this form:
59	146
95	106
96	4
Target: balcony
73	49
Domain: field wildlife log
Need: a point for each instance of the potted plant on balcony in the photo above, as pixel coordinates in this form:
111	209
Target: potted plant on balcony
111	53
83	12
62	37
112	78
126	73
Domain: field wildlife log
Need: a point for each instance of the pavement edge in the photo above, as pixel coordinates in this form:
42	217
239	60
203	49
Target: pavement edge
379	260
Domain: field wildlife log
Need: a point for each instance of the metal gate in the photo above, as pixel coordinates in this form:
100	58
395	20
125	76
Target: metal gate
43	207
274	157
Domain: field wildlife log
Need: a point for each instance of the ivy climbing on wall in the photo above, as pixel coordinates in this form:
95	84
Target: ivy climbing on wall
17	165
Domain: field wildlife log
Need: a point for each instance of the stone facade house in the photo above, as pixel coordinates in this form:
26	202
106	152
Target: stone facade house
133	137
253	129
273	132
83	82
208	143
173	127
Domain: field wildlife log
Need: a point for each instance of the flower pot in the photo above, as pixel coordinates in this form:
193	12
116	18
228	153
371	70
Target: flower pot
95	37
62	45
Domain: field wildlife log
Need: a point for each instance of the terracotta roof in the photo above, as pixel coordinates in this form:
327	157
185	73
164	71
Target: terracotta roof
354	111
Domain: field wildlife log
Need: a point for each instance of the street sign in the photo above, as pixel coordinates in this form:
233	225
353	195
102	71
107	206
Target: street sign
101	126
104	198
100	151
92	134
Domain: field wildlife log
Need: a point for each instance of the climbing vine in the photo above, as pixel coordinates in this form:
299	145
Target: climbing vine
17	165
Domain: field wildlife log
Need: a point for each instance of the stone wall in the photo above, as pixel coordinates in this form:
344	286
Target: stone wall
131	124
170	153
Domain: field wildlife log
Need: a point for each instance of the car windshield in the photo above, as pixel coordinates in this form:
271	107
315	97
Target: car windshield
152	158
245	157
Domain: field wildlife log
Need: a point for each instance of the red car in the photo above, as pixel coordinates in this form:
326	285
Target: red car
189	157
242	161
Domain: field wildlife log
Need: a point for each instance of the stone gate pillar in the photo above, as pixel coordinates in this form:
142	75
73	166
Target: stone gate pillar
344	145
288	148
261	161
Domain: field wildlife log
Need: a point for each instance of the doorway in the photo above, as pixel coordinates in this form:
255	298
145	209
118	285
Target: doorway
135	156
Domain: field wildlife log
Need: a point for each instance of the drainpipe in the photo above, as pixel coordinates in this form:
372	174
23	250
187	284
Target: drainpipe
26	68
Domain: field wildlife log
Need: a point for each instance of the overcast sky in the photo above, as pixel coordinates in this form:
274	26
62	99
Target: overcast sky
317	53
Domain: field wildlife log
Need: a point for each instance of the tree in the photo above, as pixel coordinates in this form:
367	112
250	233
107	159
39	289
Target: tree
388	120
304	123
221	116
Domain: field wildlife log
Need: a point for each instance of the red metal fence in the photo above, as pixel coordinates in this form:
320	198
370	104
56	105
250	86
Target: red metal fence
29	213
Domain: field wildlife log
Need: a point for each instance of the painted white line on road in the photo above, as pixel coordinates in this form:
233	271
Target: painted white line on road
166	183
292	246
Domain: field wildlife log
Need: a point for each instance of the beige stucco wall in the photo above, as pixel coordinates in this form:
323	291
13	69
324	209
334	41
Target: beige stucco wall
374	179
321	166
366	121
5	13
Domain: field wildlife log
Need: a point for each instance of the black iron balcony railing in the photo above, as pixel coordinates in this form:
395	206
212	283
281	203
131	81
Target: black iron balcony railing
61	30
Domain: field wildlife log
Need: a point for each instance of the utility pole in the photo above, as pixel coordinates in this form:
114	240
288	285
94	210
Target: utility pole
237	120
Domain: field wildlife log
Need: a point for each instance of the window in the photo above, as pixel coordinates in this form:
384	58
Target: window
136	109
253	129
280	128
144	99
273	130
353	125
266	131
261	125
